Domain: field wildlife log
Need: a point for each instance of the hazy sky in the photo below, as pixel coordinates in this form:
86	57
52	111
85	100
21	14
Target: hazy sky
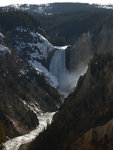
7	2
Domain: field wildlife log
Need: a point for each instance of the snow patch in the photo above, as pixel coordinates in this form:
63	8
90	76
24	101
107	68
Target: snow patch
45	47
1	35
52	80
4	49
24	71
42	44
105	6
38	50
21	29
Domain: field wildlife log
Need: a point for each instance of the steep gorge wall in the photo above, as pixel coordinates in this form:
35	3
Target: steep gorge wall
87	114
87	108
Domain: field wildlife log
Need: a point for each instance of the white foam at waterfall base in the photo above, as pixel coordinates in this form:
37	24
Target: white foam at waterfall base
70	81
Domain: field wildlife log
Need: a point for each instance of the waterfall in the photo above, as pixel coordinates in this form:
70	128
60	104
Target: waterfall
57	66
67	80
58	69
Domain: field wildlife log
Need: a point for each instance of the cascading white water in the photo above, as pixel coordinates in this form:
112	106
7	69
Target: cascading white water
58	67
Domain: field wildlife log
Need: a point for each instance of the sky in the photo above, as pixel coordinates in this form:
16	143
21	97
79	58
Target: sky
8	2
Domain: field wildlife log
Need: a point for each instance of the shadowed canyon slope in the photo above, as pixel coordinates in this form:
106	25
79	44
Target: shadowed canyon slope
87	108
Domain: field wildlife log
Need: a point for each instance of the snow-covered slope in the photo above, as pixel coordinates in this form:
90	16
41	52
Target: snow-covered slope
40	46
4	49
44	46
35	49
1	35
48	60
52	80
